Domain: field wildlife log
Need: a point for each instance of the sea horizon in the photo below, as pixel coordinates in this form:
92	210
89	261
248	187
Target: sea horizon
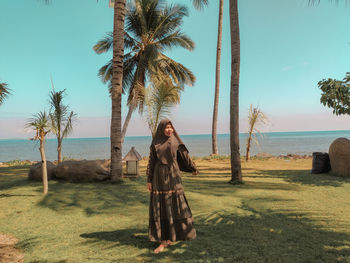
194	134
199	145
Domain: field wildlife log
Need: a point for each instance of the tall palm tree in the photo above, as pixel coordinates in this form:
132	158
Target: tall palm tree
61	119
217	81
116	89
160	97
40	123
236	170
151	28
4	92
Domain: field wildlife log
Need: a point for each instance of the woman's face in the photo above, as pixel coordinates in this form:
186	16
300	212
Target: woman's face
168	131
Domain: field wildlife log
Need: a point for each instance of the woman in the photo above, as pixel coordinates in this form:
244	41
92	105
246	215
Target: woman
170	217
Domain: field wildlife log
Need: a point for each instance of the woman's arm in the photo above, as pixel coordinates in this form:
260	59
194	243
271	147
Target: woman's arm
185	162
151	163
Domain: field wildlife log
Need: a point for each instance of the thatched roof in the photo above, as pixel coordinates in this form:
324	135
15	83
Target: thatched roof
132	155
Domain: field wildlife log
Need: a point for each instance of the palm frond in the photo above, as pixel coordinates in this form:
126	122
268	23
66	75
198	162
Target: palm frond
176	39
199	4
40	123
4	92
105	44
69	125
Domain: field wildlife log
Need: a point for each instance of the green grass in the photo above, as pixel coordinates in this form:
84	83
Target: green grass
281	214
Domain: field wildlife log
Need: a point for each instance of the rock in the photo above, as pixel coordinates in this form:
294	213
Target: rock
84	170
35	171
320	163
339	155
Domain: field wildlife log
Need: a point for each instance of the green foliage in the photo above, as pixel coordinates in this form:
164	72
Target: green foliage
336	94
60	117
40	123
160	98
150	29
4	92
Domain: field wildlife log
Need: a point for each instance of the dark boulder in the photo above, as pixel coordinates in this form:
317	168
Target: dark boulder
36	174
320	163
84	170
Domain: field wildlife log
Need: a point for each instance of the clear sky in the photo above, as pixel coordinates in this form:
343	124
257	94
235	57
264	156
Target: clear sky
286	48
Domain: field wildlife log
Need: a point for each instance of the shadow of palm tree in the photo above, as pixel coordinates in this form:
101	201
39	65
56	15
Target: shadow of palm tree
304	177
227	237
96	198
15	177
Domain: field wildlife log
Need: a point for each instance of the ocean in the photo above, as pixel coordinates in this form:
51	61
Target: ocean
274	143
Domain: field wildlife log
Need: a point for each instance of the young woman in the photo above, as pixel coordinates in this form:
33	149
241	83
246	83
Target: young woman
170	217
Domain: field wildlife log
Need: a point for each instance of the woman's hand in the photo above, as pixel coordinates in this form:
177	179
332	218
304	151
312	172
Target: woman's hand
195	172
149	187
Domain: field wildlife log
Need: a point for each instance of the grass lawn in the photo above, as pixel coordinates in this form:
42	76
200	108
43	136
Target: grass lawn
281	214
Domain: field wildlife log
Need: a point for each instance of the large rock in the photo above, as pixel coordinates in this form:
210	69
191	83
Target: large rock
84	170
320	163
339	155
36	174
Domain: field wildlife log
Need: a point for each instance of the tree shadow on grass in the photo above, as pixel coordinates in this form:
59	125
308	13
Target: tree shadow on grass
304	177
14	177
95	198
228	237
219	187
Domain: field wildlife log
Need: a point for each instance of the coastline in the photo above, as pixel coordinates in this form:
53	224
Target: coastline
270	144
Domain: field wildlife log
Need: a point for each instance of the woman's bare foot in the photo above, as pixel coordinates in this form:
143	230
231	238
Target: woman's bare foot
169	242
161	247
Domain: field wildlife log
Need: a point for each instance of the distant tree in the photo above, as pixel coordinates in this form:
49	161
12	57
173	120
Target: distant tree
217	81
40	123
160	97
336	94
4	92
255	118
61	119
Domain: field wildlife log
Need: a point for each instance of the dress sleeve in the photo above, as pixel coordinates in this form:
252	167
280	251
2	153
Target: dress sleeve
184	160
150	166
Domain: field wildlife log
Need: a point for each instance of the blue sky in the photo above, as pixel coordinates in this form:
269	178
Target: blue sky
286	48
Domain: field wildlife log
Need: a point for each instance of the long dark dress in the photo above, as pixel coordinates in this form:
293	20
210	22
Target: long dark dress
170	216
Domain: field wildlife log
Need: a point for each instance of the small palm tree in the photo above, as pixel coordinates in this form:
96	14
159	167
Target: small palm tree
159	99
61	119
255	117
150	29
40	123
4	92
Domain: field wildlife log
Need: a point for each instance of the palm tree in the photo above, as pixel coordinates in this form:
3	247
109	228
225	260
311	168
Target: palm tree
116	90
236	170
255	117
61	119
217	82
159	99
150	30
4	92
40	123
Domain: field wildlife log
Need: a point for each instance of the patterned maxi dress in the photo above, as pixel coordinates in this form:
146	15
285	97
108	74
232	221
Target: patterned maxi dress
170	216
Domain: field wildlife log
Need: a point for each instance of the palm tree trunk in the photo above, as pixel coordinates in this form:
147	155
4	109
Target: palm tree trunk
217	82
127	120
43	165
236	171
116	94
59	150
247	156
